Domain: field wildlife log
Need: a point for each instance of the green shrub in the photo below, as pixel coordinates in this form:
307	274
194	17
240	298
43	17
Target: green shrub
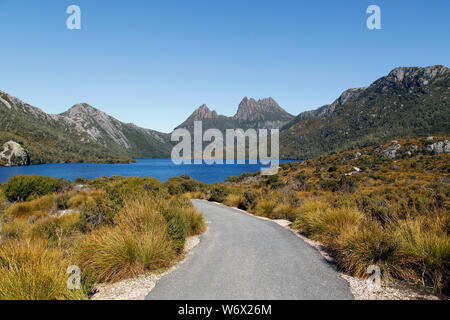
219	193
22	188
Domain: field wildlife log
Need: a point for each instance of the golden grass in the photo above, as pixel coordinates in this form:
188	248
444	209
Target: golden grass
137	243
196	222
265	207
233	200
31	271
284	211
425	246
325	224
38	207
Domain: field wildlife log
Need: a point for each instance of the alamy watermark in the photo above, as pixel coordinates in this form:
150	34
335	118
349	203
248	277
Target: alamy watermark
74	279
374	281
73	22
374	20
189	150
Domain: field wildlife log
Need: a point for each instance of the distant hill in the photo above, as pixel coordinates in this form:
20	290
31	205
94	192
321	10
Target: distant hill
408	102
81	133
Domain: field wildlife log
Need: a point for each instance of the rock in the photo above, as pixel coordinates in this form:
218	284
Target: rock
14	154
430	138
357	155
439	147
355	170
391	151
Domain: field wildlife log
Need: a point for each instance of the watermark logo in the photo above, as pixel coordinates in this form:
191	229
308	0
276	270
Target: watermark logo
374	20
235	148
73	22
374	280
74	280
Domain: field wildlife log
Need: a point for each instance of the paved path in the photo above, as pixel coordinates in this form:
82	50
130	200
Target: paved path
243	257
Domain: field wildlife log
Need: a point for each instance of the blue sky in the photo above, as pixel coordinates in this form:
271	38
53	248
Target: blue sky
153	62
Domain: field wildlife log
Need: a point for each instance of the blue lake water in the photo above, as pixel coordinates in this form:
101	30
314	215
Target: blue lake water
161	169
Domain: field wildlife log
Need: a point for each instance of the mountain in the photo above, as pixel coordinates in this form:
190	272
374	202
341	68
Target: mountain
251	113
409	101
81	133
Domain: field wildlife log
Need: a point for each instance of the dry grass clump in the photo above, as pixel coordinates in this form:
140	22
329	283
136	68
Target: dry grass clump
284	211
234	200
359	246
31	271
38	207
137	243
425	247
18	228
323	223
196	222
265	208
58	230
416	249
85	198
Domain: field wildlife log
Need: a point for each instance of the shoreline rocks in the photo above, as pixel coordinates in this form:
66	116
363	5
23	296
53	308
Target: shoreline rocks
13	154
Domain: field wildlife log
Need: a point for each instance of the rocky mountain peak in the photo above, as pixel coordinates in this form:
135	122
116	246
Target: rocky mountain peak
81	109
203	112
411	77
251	110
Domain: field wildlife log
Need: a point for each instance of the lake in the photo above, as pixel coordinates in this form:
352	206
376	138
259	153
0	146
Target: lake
161	169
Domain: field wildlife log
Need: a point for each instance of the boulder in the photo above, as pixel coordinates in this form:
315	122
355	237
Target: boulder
391	151
13	154
439	147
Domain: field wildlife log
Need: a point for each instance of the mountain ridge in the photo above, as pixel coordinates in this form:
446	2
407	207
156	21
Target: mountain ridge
251	113
408	101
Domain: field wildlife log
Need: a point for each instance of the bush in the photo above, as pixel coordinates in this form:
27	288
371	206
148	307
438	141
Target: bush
265	207
326	223
249	202
234	200
138	242
368	244
284	211
22	188
218	193
57	230
38	207
196	222
31	271
425	248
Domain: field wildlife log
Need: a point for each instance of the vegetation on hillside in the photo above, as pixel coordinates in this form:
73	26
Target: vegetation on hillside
112	228
409	102
365	207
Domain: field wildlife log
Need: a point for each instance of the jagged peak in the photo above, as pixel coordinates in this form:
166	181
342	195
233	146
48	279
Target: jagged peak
409	73
252	109
203	112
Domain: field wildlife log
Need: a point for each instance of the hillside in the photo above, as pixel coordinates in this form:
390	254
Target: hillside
407	102
81	133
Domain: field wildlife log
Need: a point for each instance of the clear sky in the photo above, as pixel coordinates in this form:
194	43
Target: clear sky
153	62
